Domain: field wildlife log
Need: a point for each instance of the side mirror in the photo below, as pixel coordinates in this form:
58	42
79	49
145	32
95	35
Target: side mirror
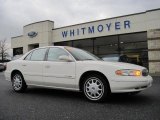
65	58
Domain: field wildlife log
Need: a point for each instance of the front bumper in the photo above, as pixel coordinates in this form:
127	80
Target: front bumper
130	84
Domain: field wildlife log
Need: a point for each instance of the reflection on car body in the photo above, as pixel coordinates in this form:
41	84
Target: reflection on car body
116	58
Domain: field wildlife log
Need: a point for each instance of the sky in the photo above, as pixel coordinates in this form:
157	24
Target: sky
14	14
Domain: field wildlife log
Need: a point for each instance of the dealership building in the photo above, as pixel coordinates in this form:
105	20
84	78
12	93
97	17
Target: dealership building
135	35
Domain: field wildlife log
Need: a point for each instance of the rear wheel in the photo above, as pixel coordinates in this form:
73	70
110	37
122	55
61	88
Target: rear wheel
18	82
95	88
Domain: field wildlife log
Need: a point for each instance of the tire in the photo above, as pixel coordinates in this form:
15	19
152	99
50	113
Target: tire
96	88
18	83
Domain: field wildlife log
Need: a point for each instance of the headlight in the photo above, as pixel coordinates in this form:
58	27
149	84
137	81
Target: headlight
128	72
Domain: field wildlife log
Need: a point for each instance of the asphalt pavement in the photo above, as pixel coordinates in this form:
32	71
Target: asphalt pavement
49	104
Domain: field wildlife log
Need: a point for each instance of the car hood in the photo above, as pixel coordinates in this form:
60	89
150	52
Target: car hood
119	65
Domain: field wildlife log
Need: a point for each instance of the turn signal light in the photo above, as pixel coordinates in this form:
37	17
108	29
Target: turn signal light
128	72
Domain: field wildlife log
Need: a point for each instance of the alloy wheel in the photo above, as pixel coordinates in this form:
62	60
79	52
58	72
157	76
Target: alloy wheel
94	88
17	82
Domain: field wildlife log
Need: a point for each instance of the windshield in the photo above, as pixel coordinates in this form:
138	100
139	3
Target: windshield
80	54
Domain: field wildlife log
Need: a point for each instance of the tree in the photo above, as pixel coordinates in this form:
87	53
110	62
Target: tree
3	50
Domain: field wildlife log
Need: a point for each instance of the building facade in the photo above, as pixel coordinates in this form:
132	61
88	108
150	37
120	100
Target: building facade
136	35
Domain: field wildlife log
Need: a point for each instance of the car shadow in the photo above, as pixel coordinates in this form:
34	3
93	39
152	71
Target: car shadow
137	99
49	92
140	98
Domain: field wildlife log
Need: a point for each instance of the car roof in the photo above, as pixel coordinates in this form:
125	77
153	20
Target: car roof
53	46
49	47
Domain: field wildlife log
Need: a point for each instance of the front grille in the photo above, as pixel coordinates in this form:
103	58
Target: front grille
145	72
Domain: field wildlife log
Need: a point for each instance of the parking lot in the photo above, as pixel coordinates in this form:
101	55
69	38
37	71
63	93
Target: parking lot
49	104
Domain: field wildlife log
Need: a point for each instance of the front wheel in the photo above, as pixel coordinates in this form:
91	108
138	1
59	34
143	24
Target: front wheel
18	83
95	88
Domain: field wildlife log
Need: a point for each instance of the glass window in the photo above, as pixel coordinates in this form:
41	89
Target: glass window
66	43
132	42
85	44
17	51
38	54
28	56
55	53
135	47
106	45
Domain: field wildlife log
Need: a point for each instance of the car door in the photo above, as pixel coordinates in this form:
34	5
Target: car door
56	72
33	66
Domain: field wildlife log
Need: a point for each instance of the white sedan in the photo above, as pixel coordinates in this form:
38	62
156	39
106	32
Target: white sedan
75	69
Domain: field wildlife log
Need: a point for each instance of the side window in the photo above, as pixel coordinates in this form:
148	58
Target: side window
38	54
54	53
28	56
